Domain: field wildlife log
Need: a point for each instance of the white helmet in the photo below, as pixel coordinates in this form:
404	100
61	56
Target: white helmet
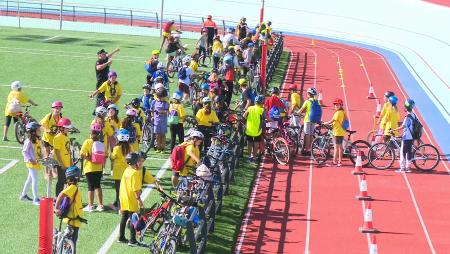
176	35
187	59
312	91
176	96
197	134
16	85
206	100
101	111
158	86
161	65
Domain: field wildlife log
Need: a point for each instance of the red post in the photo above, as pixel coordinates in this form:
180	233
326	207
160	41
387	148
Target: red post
261	15
45	226
263	67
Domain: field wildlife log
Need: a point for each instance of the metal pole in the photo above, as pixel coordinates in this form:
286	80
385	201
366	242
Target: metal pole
180	23
131	15
162	18
18	11
60	15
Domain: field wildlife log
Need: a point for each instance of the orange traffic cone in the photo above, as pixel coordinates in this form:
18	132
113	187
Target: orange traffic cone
320	99
373	248
371	93
363	193
378	112
358	165
368	223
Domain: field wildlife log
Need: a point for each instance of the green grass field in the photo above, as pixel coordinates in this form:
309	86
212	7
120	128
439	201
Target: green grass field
59	65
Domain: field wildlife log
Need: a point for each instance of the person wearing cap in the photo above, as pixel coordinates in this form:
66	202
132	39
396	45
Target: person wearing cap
50	125
337	122
246	97
151	65
31	152
206	117
111	89
102	65
217	51
211	29
242	28
61	152
230	39
15	99
167	30
178	113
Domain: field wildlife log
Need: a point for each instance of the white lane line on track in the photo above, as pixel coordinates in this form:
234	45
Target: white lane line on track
51	38
308	213
145	193
11	147
61	89
11	164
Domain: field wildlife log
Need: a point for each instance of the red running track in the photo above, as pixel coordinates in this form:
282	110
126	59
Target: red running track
303	208
445	3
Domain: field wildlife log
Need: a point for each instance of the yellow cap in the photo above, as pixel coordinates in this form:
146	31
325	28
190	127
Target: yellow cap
156	52
242	81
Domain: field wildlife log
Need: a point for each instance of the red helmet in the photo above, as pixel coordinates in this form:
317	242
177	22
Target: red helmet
96	127
338	101
293	86
64	122
57	104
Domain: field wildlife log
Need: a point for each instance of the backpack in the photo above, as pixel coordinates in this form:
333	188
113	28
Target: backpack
315	115
173	117
98	153
252	96
177	158
64	206
346	123
228	61
417	127
274	113
182	74
14	106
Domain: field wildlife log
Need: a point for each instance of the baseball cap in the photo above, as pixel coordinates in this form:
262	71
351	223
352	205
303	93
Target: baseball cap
102	51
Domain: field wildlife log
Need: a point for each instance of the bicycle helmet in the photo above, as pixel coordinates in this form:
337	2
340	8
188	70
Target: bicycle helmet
196	134
132	158
219	98
57	104
176	96
206	100
161	92
186	59
242	82
123	135
73	172
176	35
16	85
112	74
230	48
312	91
142	155
269	23
156	52
130	112
64	122
113	106
250	44
147	86
136	103
338	101
32	126
96	127
409	104
388	94
101	111
172	21
275	90
230	29
259	99
204	86
293	87
161	66
393	100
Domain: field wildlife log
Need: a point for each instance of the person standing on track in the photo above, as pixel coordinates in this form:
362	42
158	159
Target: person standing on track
211	29
391	119
381	121
296	102
338	131
102	65
254	116
308	125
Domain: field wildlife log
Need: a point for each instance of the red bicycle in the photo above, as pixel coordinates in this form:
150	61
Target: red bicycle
19	126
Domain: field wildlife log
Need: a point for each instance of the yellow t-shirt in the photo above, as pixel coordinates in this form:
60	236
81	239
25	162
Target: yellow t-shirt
296	100
50	122
148	178
204	119
130	183
180	109
15	95
338	119
392	117
111	91
76	207
307	106
193	66
386	107
62	143
37	154
119	164
254	121
86	150
190	164
217	48
115	125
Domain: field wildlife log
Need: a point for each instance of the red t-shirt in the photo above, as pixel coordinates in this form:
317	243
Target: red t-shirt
274	101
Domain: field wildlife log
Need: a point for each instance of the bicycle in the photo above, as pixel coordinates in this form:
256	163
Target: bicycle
276	146
62	242
19	126
75	149
322	148
205	59
174	65
148	135
383	155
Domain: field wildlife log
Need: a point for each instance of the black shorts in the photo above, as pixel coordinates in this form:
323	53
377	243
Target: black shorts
8	120
254	139
93	180
338	140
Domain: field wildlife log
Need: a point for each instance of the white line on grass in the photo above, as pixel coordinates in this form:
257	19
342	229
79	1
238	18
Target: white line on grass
62	89
8	166
112	238
51	38
11	147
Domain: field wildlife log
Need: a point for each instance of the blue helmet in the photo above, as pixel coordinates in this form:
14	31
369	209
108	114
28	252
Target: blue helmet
123	135
32	126
259	99
204	86
73	172
393	100
250	44
409	104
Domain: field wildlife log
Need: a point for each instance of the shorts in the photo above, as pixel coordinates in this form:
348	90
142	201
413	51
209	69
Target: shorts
172	54
308	128
166	34
254	139
338	140
183	87
93	180
8	120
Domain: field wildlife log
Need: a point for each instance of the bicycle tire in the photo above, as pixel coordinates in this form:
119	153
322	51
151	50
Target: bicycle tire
293	136
75	152
148	137
281	150
67	246
321	149
170	247
370	135
359	145
381	152
19	130
171	69
207	60
425	156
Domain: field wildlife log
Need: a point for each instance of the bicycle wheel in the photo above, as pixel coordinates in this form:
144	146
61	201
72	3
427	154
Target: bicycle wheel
75	149
171	69
170	247
206	59
19	130
147	137
190	122
359	145
281	150
381	156
321	149
371	136
67	246
426	157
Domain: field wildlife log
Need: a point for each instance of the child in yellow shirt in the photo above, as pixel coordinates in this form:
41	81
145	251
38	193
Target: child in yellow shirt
338	131
391	119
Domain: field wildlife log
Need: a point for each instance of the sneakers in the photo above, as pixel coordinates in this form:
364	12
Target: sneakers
100	208
5	139
88	208
25	198
135	244
36	202
122	240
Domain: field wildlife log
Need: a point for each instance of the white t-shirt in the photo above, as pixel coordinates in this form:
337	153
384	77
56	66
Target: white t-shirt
230	37
187	80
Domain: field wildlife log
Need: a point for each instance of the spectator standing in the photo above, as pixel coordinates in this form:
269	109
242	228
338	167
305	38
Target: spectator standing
102	65
211	29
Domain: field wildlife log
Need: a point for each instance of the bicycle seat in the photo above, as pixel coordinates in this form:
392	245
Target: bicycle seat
351	132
